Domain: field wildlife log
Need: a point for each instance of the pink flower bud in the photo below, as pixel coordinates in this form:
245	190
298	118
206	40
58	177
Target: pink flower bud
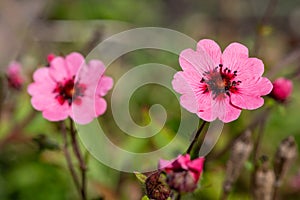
181	181
183	173
14	77
50	57
282	89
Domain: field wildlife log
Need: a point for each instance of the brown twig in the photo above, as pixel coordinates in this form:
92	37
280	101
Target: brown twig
80	159
68	157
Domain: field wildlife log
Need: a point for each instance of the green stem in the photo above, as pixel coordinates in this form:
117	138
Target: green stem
193	145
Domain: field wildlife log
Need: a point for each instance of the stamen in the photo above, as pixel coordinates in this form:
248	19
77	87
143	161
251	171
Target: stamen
219	81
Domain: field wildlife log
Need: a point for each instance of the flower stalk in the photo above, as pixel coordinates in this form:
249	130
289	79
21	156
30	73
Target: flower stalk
194	147
82	165
68	158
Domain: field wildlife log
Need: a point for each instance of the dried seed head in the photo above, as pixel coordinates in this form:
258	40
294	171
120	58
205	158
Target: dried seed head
240	152
156	187
285	155
264	182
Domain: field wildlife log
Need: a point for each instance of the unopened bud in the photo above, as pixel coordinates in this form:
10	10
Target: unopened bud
282	89
182	181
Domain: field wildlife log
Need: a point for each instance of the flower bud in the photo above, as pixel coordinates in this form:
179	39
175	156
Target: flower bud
183	173
14	77
50	57
182	181
282	89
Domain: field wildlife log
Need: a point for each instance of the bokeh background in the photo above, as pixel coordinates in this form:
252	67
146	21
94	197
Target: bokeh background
32	165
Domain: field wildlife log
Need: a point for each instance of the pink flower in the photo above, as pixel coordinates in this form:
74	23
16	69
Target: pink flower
14	77
70	88
182	172
282	89
219	85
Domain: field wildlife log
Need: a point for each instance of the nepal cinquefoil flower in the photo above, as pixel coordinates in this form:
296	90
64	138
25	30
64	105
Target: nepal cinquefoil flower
219	85
70	88
182	173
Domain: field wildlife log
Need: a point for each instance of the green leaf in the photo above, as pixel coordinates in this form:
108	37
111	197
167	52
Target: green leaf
141	177
145	198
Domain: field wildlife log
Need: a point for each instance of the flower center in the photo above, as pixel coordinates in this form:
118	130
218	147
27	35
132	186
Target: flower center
220	81
69	91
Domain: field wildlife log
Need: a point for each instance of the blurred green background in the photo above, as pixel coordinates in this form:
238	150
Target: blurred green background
32	165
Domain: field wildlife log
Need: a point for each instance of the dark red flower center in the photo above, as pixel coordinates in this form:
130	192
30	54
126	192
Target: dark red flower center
69	91
220	81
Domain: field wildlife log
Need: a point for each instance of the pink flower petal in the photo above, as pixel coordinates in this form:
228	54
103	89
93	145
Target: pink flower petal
188	99
197	164
212	49
260	87
162	164
196	167
249	68
247	102
41	75
91	74
230	112
235	57
58	69
84	112
56	112
74	61
105	84
199	60
234	52
182	162
100	106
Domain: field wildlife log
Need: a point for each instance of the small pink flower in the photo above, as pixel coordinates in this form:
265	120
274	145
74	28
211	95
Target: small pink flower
282	89
14	77
182	172
70	88
219	85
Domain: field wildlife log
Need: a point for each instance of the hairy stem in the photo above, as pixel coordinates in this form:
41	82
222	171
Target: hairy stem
68	157
80	159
